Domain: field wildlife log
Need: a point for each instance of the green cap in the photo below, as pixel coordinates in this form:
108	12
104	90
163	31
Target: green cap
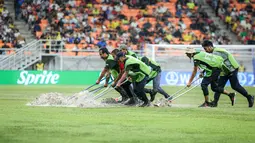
123	47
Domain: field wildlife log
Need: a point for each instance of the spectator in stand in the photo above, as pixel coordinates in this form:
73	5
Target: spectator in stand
101	43
234	14
168	37
190	5
5	48
145	12
161	9
147	25
241	67
182	25
187	37
221	11
249	8
89	39
178	13
133	23
87	18
110	46
178	34
139	16
246	24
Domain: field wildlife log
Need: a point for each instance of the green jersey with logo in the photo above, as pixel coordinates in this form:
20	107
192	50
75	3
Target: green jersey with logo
136	69
208	61
112	65
131	53
228	58
155	67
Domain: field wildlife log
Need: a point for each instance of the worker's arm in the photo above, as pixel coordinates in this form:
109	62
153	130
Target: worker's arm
122	79
194	72
105	70
107	78
118	78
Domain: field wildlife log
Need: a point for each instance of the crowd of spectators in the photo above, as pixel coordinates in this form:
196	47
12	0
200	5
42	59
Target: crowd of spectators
88	24
9	35
239	17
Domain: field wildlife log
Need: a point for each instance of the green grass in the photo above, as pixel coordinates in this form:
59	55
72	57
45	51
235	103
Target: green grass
24	124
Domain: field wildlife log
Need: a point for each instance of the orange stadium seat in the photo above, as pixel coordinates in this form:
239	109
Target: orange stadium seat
10	45
83	53
69	47
81	45
1	45
68	53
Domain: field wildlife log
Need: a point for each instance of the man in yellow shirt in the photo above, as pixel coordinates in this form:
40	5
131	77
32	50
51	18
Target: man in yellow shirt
187	37
40	66
115	24
191	5
241	67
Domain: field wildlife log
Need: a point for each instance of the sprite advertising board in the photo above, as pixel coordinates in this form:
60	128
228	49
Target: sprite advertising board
48	77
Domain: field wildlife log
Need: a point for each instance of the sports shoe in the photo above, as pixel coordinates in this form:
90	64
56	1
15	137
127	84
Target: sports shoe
130	102
251	101
205	104
145	104
152	94
121	99
213	104
232	98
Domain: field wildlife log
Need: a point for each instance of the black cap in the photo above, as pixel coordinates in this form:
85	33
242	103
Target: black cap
207	43
104	50
120	54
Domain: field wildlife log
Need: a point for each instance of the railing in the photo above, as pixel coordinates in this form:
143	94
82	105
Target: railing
22	58
178	51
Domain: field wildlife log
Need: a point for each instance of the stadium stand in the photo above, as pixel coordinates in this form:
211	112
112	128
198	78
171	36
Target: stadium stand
239	17
89	24
10	37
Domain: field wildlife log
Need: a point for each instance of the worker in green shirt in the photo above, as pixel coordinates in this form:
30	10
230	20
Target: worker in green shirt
137	72
124	49
155	75
112	67
213	65
232	75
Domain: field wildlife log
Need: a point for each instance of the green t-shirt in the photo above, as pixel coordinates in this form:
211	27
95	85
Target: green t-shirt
125	22
112	65
241	18
131	53
190	5
243	34
228	58
155	67
207	62
136	68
